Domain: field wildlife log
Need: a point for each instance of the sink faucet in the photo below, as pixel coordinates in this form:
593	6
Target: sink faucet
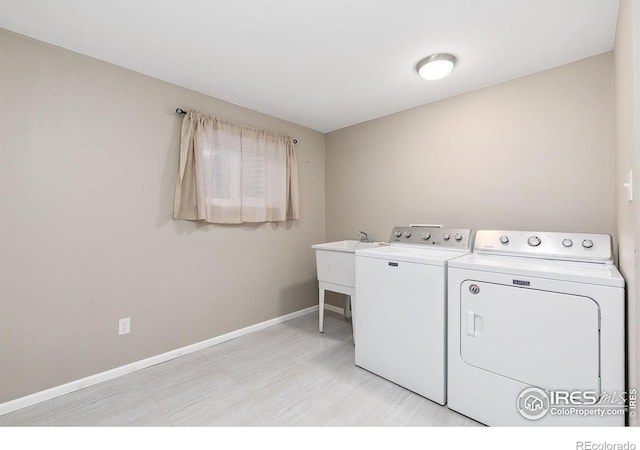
364	237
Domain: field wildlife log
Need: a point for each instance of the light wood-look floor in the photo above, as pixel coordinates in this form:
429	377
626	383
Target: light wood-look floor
285	375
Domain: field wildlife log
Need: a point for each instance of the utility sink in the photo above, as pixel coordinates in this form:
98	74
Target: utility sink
336	262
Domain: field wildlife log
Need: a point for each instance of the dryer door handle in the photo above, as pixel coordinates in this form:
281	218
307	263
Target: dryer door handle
471	323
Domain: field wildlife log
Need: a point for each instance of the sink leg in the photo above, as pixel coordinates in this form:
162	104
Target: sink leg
353	317
321	310
347	302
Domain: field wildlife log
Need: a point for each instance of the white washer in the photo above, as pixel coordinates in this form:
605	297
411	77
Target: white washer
541	312
400	312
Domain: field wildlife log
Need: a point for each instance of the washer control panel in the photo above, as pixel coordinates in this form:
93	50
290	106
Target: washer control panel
584	247
432	236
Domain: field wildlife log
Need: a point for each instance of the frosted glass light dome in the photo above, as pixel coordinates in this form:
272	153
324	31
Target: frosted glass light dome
436	66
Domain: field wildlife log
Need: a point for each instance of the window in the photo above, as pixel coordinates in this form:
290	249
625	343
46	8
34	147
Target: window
234	174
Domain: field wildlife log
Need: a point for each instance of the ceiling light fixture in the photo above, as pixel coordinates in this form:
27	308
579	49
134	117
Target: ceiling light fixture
436	66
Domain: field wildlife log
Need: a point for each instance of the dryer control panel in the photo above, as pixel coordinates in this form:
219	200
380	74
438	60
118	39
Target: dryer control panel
583	247
448	238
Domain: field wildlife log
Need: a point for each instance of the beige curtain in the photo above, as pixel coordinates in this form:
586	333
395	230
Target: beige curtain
229	173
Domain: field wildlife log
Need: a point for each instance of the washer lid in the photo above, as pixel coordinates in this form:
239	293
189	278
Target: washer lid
411	254
580	272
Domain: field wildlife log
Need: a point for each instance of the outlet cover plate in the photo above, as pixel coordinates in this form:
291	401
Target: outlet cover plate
124	326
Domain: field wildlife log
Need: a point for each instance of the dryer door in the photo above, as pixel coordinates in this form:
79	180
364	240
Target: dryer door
540	338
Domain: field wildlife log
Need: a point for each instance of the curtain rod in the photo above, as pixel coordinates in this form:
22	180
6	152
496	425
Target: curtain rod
182	112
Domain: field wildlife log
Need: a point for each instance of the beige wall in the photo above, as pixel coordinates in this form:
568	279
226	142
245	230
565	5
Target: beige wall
531	153
624	138
88	163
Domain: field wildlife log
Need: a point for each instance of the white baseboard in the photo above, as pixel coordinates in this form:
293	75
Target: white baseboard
335	309
48	394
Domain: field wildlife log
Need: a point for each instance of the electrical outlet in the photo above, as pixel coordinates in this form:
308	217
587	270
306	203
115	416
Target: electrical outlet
124	326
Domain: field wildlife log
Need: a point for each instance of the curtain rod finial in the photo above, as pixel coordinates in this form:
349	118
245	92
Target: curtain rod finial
180	111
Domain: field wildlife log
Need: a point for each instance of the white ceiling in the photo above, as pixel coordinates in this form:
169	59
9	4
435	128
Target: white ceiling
324	64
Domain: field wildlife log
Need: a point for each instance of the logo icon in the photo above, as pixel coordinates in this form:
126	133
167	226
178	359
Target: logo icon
533	403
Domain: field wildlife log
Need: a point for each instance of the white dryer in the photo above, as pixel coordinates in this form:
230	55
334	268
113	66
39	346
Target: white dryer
400	311
536	330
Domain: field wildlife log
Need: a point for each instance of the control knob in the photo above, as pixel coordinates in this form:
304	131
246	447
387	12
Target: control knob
567	243
397	233
425	235
407	234
446	236
458	237
587	243
534	241
504	239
